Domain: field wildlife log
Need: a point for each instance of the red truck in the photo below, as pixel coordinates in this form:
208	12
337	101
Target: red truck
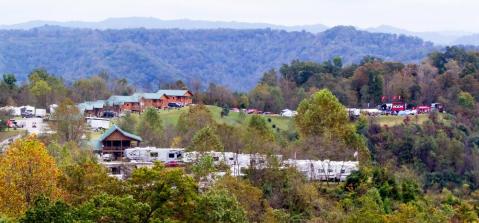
398	106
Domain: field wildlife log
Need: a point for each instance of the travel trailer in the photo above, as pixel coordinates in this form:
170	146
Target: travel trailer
325	170
152	154
98	123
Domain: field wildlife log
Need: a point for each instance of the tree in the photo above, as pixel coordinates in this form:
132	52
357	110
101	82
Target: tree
169	192
108	208
10	81
46	88
46	211
122	87
258	137
270	78
323	123
150	128
205	140
129	122
68	122
249	196
321	114
83	181
203	167
40	89
26	172
466	100
190	122
219	206
91	89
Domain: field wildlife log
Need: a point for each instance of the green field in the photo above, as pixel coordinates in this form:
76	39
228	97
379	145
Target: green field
393	120
170	117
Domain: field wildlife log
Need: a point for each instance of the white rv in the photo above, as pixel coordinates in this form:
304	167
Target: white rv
40	113
325	170
98	123
151	154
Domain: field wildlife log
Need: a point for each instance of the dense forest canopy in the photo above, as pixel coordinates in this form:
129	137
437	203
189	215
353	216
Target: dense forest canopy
149	57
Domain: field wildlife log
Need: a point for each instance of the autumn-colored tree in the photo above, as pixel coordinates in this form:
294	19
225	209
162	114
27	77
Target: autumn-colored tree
219	206
196	118
83	181
91	89
169	192
68	122
46	88
150	128
206	140
321	114
323	124
258	137
26	172
249	197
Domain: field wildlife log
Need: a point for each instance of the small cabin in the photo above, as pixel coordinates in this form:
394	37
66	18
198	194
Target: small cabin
115	140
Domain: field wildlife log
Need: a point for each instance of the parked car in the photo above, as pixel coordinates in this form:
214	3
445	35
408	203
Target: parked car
108	114
174	105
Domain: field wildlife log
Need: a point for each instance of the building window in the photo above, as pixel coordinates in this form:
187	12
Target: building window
154	155
115	170
171	155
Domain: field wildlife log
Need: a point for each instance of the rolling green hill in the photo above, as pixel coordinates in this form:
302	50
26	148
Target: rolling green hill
149	57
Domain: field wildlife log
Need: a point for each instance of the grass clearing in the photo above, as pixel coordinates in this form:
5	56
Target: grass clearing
394	120
171	117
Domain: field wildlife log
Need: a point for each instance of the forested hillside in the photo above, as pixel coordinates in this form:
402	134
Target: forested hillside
147	58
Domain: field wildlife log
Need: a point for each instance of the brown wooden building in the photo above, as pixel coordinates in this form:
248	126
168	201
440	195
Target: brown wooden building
137	102
114	141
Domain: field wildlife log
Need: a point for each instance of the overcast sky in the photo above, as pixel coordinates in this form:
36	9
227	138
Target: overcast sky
415	15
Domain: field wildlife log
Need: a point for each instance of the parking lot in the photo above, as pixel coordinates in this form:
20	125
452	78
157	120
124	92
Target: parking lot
32	125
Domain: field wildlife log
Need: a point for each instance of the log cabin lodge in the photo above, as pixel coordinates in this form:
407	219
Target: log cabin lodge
137	102
114	141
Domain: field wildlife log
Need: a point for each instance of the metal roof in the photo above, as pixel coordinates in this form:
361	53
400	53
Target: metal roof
90	105
113	129
172	92
148	95
119	100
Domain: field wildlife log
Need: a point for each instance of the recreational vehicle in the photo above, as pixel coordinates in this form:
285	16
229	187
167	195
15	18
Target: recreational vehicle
151	154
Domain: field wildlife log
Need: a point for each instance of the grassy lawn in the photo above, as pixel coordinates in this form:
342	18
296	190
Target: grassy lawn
10	133
393	120
170	117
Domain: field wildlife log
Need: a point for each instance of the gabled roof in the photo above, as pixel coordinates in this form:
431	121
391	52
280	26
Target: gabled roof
113	129
119	100
148	95
90	105
173	92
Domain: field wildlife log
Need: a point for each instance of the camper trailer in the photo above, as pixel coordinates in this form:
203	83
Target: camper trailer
325	170
151	154
98	123
40	113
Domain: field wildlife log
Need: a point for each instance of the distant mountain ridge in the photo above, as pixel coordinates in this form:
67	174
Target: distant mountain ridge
440	38
148	57
154	23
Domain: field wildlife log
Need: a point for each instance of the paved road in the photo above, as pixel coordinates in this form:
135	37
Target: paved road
6	142
33	125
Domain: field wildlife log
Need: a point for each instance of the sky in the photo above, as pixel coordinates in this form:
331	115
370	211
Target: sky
414	15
